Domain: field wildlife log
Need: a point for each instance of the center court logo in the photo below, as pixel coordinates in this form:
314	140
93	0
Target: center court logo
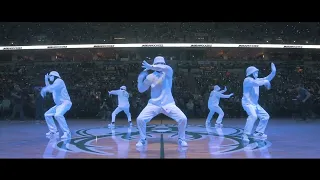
97	140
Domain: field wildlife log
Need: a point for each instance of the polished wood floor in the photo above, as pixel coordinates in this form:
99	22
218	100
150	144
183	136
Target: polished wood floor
91	139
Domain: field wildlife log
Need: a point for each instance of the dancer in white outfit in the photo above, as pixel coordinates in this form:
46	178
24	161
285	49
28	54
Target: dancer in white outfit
161	99
63	104
213	105
123	105
250	100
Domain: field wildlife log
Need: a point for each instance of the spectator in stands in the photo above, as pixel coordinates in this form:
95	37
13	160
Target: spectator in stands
17	95
39	105
105	111
4	107
190	109
303	99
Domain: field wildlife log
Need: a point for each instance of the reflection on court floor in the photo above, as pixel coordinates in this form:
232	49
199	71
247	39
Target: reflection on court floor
115	143
94	140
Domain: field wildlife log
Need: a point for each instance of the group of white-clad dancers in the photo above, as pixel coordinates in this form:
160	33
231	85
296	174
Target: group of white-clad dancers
161	101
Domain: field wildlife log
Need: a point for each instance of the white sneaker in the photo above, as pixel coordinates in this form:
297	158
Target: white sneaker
130	124
260	135
111	126
218	125
208	123
182	143
65	135
52	133
245	137
141	142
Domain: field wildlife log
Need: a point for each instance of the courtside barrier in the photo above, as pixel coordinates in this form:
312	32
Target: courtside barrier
157	45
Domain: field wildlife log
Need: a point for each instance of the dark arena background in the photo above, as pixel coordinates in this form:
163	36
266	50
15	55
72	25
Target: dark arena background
89	73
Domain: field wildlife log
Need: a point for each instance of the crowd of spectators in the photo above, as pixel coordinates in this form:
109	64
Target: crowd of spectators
14	33
88	83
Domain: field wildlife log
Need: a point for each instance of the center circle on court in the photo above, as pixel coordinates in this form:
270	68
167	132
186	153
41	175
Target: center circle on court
88	140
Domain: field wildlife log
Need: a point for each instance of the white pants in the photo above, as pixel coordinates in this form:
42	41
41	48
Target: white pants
118	110
171	110
254	112
58	112
215	109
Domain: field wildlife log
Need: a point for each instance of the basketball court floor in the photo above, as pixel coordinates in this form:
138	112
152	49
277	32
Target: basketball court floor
287	138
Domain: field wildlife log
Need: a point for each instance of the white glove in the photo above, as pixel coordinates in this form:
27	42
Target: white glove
146	65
